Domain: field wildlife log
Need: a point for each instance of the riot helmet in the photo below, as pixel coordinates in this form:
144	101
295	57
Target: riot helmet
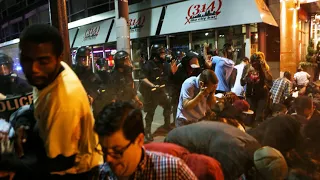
158	52
122	60
102	64
6	67
83	57
178	55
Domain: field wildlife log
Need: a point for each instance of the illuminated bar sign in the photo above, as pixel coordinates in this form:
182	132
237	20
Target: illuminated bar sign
206	14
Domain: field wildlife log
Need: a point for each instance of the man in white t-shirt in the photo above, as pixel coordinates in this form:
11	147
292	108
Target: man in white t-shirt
61	106
301	78
237	88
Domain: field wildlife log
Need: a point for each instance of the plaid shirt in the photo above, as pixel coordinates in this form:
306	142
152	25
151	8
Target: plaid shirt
281	88
156	165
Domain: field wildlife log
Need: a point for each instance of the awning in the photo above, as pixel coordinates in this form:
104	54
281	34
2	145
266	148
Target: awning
92	34
205	14
142	24
72	35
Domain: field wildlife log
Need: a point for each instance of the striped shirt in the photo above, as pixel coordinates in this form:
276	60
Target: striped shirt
156	165
281	88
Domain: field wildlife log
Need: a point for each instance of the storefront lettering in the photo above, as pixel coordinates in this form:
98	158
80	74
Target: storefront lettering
136	24
92	33
15	103
203	12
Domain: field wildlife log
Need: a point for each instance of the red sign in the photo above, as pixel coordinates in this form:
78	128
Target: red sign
92	32
203	12
136	24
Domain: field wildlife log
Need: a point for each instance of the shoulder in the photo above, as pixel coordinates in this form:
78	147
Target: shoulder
159	158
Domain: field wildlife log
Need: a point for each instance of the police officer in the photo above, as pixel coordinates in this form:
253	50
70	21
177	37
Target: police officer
121	82
10	84
152	88
102	70
83	68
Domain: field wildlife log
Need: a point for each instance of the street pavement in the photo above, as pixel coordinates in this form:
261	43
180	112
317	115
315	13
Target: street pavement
158	120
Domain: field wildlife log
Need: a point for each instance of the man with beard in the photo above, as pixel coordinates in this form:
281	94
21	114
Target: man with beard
188	67
61	107
10	83
155	77
121	81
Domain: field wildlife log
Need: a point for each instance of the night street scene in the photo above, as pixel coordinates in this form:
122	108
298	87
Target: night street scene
159	89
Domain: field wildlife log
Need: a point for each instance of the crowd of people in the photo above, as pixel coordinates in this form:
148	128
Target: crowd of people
231	121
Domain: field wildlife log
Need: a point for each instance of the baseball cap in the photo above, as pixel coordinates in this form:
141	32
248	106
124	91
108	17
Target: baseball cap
243	106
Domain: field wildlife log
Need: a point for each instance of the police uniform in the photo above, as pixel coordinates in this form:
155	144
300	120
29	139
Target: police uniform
10	84
156	70
90	81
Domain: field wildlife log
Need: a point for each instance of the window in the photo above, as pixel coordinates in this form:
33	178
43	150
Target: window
100	9
134	1
77	6
78	16
44	16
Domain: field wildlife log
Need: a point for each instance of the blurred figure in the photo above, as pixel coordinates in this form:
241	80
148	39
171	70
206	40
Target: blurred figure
83	68
223	68
258	80
121	82
233	148
154	80
196	98
278	109
61	107
238	89
281	88
301	78
10	84
188	67
303	106
121	135
102	68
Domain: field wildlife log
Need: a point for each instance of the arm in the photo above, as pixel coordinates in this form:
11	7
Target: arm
244	75
184	173
187	93
211	101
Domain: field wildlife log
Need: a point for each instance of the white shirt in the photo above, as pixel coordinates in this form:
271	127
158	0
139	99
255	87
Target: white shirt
237	88
66	122
301	78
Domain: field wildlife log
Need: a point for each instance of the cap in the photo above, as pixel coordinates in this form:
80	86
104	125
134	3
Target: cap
243	106
270	163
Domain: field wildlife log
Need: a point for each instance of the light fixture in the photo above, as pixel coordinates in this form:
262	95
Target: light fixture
206	34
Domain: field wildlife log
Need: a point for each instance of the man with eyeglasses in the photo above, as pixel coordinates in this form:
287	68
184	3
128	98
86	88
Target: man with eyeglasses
121	135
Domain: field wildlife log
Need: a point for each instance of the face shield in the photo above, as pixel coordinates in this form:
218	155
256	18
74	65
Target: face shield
5	70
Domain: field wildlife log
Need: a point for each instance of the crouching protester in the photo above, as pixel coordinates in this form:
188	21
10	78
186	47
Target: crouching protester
121	135
21	148
196	98
233	148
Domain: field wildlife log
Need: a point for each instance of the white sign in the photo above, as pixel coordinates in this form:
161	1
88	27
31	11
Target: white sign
142	24
72	34
205	14
92	34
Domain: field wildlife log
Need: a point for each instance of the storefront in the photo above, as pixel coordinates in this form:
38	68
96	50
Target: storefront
180	26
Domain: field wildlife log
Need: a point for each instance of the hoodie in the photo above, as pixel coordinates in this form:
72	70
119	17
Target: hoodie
223	70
